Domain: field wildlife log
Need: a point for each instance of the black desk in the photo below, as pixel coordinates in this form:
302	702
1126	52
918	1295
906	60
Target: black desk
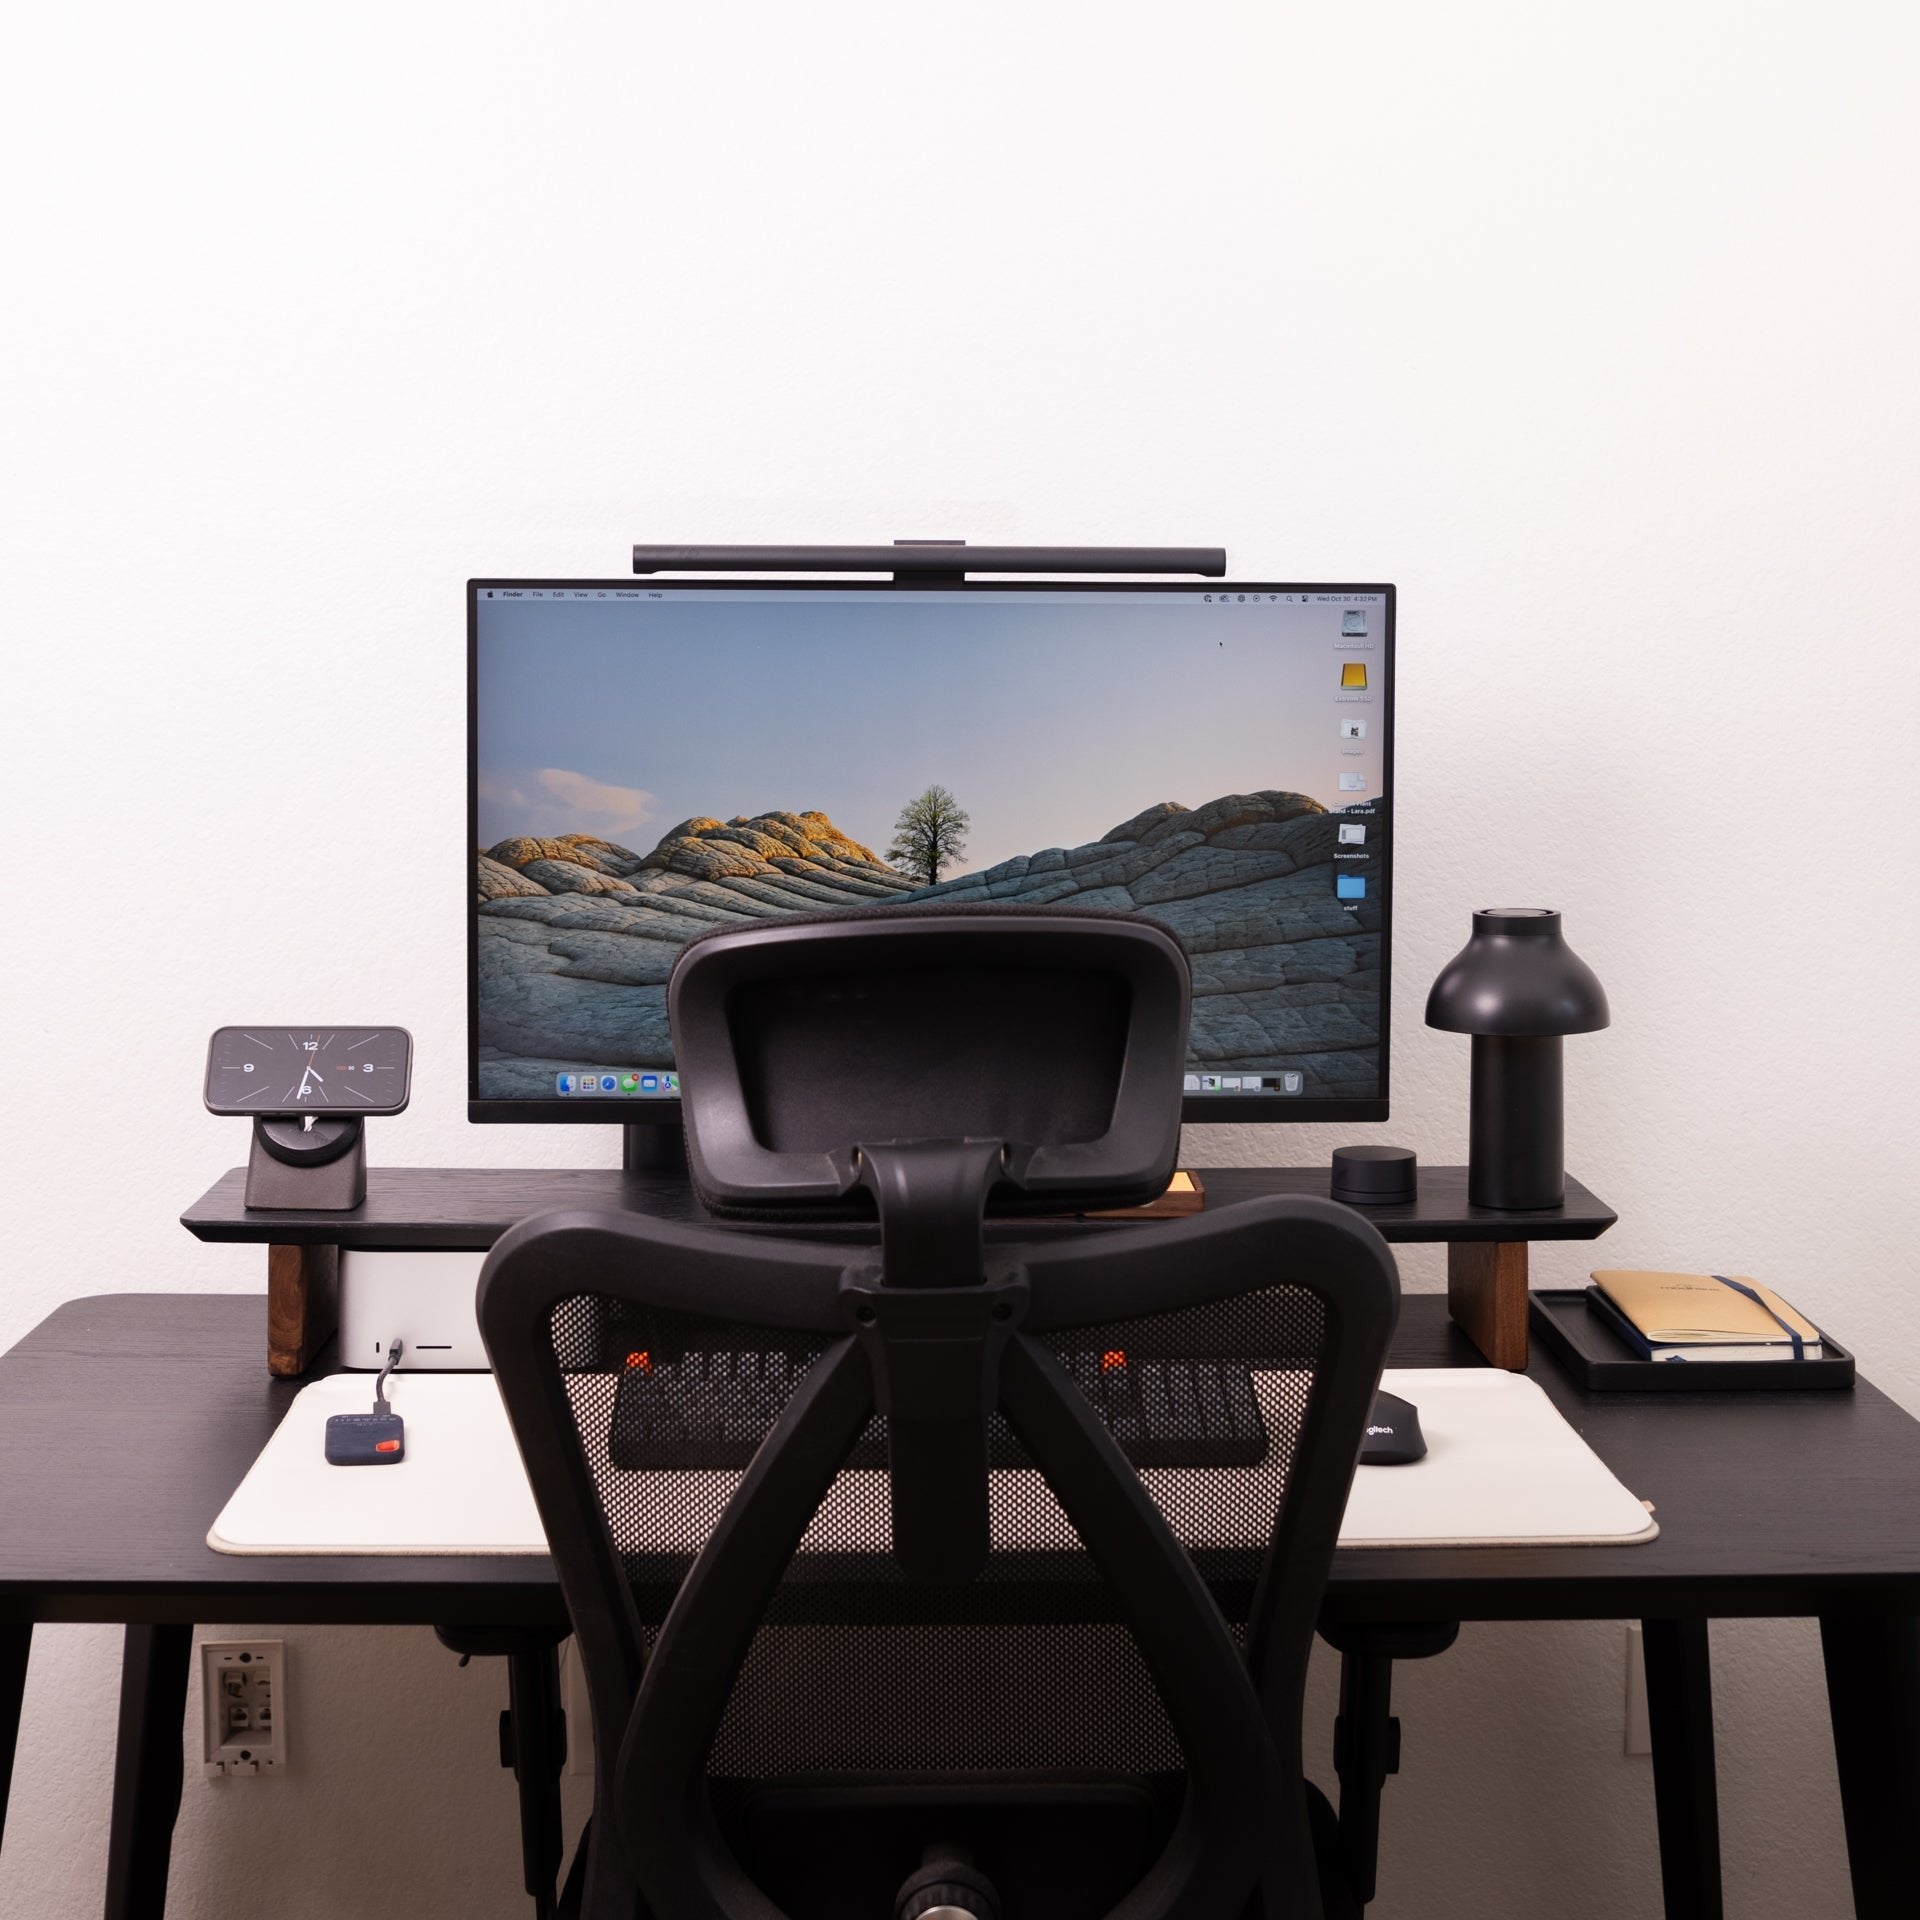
127	1420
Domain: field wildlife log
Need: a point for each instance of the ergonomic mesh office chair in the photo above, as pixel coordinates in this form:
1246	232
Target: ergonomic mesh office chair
876	1614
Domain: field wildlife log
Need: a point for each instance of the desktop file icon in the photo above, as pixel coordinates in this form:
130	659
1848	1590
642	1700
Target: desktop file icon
1350	886
1353	676
1353	833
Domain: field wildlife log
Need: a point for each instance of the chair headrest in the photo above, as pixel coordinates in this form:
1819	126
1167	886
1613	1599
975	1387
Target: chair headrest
1062	1036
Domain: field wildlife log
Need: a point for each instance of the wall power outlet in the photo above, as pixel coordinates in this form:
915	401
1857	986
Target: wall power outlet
243	1694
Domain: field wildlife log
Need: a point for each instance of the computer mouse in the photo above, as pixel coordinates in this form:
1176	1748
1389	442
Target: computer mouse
1393	1437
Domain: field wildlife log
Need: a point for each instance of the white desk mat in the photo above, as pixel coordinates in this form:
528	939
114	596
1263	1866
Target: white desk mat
1503	1468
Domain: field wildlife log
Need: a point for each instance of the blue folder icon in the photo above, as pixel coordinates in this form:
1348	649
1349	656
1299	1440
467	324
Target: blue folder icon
1350	886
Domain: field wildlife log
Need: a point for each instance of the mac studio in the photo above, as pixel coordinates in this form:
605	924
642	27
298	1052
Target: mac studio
845	945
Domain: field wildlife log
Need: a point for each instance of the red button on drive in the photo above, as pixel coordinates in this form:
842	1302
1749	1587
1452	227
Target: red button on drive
386	1446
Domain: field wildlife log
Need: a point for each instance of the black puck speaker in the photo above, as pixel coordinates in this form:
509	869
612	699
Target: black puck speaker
1373	1176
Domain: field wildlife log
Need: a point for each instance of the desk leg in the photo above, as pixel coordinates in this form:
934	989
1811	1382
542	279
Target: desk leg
147	1769
1873	1696
14	1645
1686	1797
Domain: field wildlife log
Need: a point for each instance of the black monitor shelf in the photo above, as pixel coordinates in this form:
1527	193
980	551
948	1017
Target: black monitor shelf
470	1207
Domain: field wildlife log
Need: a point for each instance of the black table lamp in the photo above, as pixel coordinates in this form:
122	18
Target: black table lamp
1517	987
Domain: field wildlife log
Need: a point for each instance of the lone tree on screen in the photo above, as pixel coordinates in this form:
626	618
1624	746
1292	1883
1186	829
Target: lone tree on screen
930	835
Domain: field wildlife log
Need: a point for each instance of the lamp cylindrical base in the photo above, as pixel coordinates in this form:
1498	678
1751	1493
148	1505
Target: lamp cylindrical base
1516	1156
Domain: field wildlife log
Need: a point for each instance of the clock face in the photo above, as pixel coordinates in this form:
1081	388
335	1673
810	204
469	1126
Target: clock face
325	1069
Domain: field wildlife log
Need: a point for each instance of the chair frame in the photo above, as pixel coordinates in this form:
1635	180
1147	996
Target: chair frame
1243	1835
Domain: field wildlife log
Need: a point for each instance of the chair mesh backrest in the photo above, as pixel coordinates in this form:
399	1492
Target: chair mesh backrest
859	1669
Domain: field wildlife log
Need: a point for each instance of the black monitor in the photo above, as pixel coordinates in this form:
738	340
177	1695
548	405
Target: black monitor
646	761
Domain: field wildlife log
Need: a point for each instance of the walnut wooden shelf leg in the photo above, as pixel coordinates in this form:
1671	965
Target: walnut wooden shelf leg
303	1306
1487	1295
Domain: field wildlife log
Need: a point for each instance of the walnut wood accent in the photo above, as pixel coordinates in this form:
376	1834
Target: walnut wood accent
1487	1295
303	1306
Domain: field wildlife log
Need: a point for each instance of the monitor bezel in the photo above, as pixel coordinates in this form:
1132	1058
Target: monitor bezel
1195	1109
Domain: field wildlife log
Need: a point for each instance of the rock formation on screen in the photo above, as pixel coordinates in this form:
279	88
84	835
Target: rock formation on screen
578	934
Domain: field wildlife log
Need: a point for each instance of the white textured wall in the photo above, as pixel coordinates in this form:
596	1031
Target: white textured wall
1592	328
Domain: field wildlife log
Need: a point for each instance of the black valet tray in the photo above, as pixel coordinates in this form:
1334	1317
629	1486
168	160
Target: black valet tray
1596	1358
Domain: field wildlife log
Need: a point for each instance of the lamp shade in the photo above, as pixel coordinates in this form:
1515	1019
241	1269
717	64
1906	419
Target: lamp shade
1517	978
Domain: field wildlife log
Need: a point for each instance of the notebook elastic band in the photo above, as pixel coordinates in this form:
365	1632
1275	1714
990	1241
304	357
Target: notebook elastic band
1792	1332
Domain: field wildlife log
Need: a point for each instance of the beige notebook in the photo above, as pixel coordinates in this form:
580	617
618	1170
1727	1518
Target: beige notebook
1706	1310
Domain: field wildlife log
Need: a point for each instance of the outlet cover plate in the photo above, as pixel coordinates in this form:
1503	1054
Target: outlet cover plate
243	1707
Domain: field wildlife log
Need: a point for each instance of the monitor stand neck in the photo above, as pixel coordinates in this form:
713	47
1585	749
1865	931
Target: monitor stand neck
654	1147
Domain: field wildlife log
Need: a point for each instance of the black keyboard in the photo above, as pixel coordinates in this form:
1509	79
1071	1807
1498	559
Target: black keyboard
710	1409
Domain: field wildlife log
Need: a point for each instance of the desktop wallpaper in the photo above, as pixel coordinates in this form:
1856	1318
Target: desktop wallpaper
650	764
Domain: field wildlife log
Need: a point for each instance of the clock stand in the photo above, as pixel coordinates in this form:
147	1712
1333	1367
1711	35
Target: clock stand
309	1162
